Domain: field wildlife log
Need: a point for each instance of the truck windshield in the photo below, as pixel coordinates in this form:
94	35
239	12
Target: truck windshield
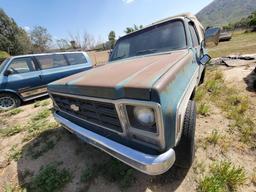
159	38
3	64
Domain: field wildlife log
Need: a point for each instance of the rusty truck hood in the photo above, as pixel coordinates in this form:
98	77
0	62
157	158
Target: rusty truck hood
131	78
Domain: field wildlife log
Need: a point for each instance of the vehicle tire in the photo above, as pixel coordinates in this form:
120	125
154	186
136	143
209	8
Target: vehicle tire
185	150
9	101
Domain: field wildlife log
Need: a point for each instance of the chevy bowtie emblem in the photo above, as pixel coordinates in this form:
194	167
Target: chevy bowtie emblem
74	107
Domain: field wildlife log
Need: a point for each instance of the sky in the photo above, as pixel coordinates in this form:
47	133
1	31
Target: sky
96	17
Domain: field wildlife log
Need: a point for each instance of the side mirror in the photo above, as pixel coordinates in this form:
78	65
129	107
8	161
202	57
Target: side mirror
7	72
212	37
205	59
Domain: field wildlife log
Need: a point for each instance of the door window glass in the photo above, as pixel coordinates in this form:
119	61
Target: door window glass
193	35
76	58
51	61
21	65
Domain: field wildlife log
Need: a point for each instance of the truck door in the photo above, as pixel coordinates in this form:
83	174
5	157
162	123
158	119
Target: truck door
196	47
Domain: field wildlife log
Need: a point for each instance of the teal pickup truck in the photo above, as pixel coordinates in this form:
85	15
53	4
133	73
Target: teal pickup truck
140	107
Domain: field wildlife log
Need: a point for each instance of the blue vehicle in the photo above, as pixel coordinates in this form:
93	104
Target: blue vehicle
25	77
140	107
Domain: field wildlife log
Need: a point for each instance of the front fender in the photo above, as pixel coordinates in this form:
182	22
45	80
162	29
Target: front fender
172	92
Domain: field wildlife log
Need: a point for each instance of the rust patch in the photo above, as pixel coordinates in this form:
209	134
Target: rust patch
137	72
171	74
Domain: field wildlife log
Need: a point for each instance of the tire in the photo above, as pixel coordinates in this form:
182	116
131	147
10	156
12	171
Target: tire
185	150
9	101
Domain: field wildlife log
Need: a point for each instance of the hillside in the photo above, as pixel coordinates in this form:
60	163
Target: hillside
223	12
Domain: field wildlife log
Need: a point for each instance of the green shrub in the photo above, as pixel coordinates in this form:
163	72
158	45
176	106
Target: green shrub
87	175
15	153
10	131
214	137
223	177
50	179
203	109
42	115
116	171
3	55
14	111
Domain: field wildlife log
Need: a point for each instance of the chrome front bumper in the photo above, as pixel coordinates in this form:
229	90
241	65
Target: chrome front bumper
149	164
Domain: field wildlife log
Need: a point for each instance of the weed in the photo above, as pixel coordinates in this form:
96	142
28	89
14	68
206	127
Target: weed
45	103
213	86
200	92
203	109
14	112
116	171
42	115
41	103
11	188
50	179
10	131
253	178
232	102
214	137
15	153
48	145
39	123
199	167
37	104
223	177
87	175
43	144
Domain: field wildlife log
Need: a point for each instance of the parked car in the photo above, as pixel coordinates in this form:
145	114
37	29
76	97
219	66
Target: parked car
225	36
25	77
140	106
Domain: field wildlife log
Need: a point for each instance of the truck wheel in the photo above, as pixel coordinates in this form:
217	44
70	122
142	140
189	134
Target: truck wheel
185	150
9	101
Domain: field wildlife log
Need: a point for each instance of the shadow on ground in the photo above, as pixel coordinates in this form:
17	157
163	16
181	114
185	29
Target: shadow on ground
90	168
250	80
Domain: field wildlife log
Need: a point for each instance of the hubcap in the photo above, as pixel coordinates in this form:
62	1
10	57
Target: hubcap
6	102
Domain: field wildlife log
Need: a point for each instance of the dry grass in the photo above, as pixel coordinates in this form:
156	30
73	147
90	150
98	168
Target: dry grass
231	101
241	43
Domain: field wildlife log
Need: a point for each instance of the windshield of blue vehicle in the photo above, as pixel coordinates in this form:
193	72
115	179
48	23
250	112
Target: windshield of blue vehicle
159	38
3	64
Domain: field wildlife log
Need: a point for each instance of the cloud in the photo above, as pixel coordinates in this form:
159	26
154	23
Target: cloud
128	1
26	28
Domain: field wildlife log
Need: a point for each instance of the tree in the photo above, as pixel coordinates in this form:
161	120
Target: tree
40	38
63	44
132	29
112	38
13	39
252	21
86	42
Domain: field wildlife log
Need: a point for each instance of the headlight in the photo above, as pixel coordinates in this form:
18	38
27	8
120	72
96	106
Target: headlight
141	117
144	115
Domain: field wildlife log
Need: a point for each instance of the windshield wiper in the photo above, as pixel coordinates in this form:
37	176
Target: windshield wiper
146	51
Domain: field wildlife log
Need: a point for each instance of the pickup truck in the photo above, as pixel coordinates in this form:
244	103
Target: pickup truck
140	107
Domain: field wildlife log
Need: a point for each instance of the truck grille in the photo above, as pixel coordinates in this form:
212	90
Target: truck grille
95	112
